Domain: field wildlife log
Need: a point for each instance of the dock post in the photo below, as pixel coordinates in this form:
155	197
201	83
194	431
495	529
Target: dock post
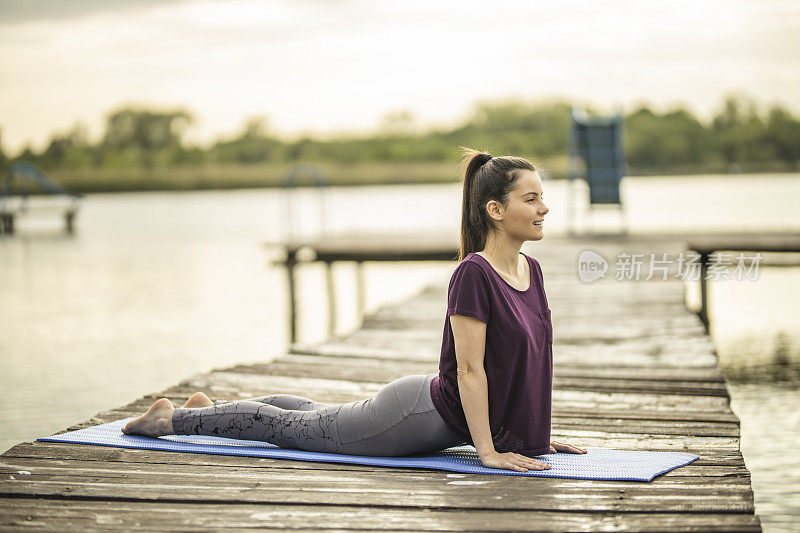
291	262
331	298
360	297
7	223
703	313
69	218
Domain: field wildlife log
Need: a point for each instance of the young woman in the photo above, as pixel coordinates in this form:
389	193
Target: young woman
495	375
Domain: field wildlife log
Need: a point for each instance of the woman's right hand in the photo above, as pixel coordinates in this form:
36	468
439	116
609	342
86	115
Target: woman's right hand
511	461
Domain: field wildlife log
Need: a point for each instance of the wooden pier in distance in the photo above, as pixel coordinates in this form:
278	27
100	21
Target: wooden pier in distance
441	247
634	369
16	187
8	216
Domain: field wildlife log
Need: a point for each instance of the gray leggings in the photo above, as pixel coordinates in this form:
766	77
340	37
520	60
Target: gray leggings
399	420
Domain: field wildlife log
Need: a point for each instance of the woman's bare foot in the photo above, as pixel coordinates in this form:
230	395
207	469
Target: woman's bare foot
198	399
155	422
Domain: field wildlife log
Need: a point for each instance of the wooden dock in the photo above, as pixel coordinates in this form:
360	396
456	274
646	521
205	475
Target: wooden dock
634	369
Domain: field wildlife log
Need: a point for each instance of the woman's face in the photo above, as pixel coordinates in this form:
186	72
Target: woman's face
523	217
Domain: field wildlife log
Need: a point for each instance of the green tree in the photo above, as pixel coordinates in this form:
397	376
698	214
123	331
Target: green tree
518	127
253	145
783	133
145	132
664	142
398	123
736	130
4	162
67	150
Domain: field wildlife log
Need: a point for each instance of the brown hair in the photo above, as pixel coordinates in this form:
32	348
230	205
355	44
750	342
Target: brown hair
485	178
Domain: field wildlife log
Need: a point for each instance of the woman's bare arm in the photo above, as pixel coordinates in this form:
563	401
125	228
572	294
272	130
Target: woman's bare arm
469	335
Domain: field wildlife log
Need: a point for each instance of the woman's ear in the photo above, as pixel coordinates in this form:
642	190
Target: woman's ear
494	209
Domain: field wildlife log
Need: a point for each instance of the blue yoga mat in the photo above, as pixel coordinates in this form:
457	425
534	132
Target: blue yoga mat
596	463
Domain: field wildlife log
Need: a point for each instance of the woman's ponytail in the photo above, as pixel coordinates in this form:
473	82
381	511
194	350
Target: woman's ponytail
472	161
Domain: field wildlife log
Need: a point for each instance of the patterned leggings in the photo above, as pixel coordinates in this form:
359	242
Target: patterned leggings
399	420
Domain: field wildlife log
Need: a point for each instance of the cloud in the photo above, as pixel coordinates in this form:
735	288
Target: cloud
24	11
327	66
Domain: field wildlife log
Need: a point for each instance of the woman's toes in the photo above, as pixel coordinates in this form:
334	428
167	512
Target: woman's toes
198	399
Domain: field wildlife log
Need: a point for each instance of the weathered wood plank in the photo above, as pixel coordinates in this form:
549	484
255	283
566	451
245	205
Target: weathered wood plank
560	423
634	353
680	351
586	412
577	380
77	479
612	332
326	364
220	383
431	318
55	514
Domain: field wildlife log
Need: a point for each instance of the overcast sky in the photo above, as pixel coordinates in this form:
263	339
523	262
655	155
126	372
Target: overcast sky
340	65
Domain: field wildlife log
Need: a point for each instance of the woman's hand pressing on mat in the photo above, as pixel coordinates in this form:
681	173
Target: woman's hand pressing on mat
511	461
556	447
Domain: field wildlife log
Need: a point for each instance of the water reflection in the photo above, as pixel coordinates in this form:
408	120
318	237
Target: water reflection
770	416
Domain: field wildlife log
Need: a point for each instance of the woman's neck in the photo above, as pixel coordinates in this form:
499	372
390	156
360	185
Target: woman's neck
504	255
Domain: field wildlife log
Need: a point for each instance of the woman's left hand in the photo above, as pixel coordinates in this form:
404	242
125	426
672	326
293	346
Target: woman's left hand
559	447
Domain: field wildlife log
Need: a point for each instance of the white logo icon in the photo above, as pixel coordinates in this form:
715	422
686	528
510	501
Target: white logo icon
591	266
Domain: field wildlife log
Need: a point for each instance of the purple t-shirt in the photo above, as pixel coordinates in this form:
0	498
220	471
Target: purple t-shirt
518	359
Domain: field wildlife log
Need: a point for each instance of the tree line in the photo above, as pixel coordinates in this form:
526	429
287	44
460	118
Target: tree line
740	136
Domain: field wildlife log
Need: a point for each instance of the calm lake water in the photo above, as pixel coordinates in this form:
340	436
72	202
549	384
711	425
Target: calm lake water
154	287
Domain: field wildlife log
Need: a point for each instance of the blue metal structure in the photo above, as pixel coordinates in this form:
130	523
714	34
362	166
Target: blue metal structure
22	179
596	154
